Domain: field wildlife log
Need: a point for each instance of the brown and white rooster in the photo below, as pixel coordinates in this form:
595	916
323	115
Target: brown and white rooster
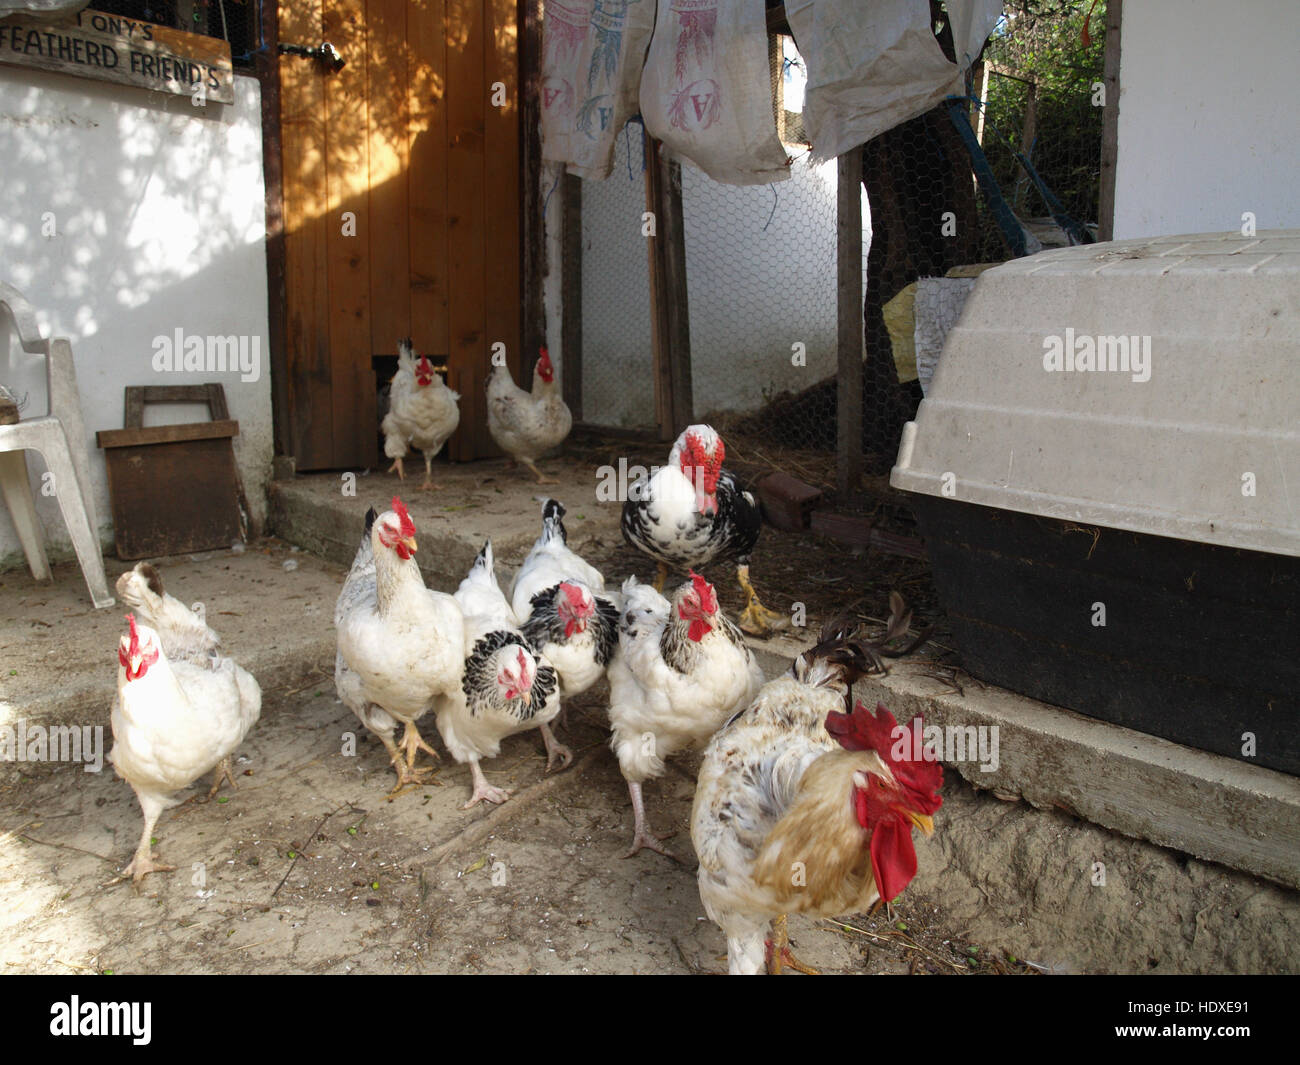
563	607
172	723
422	412
400	644
506	686
526	426
801	808
681	670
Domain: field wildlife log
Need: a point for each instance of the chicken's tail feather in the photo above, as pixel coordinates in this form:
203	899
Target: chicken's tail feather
840	656
553	521
483	560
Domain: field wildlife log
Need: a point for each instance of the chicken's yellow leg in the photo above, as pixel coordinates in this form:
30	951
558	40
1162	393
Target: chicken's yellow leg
779	953
220	773
661	576
541	479
397	465
756	619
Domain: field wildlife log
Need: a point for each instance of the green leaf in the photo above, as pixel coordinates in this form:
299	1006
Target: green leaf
223	798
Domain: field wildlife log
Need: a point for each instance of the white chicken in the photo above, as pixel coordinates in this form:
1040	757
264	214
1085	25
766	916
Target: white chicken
400	644
681	670
184	635
801	808
422	412
507	687
561	603
173	722
526	426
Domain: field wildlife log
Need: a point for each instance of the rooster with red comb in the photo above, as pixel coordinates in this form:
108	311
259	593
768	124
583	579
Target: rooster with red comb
692	512
422	412
802	808
528	425
681	670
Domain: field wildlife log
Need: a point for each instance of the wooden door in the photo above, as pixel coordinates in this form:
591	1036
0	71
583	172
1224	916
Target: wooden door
402	210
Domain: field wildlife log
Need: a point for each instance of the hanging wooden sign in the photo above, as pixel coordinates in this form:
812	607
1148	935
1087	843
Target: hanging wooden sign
114	48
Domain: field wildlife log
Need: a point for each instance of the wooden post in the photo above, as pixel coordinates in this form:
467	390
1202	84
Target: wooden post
533	228
669	311
571	293
1110	122
266	64
982	79
849	312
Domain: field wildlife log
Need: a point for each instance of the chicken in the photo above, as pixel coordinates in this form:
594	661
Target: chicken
422	412
173	722
400	644
507	688
183	634
801	808
563	608
527	426
692	512
681	670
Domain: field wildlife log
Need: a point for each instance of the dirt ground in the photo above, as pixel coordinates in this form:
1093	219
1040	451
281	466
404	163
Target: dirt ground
307	868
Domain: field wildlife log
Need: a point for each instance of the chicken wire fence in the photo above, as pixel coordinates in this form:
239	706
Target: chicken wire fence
761	260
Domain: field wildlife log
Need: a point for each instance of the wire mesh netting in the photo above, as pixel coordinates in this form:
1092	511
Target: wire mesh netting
618	357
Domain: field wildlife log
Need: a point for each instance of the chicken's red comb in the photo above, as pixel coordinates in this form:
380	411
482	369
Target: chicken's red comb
574	594
708	598
523	665
133	648
404	517
920	777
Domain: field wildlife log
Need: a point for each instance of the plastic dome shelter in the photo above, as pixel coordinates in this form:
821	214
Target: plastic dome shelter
1106	470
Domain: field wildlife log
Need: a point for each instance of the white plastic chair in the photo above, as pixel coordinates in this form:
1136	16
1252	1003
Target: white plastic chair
60	437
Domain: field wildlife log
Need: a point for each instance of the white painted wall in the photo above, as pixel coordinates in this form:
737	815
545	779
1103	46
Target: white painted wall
160	215
1208	123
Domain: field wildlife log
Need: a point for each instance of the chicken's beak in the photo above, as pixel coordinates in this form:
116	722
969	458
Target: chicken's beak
409	542
527	697
922	821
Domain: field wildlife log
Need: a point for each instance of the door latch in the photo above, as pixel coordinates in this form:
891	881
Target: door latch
324	53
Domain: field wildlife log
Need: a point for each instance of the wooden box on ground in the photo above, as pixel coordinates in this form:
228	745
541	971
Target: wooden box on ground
173	488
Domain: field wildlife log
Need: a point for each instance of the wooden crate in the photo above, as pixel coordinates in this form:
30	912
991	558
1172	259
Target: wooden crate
173	488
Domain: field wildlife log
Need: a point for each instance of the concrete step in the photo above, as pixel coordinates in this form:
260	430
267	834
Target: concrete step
475	502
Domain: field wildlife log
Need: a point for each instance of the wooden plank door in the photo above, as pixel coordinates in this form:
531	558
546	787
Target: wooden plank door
402	210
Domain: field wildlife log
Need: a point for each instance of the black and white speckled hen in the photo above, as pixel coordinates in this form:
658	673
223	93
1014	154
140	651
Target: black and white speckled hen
692	512
561	602
506	687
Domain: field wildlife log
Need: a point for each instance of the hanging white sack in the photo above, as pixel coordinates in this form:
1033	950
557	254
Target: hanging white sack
592	54
706	90
873	66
